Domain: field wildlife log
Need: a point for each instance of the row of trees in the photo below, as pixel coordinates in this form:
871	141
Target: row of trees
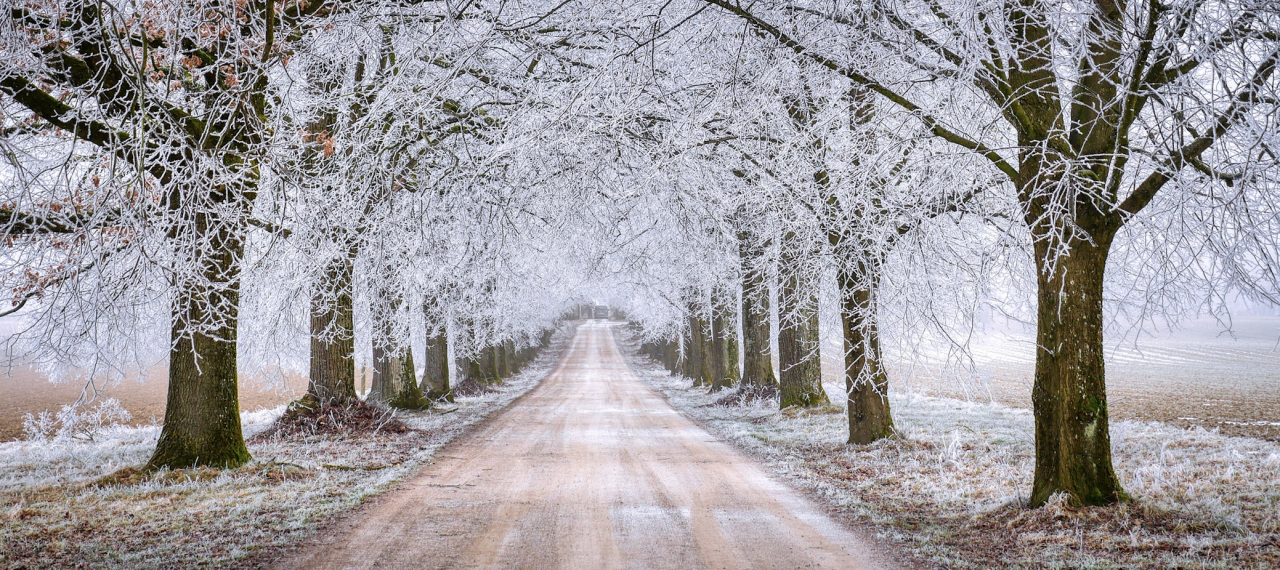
1059	135
266	185
241	187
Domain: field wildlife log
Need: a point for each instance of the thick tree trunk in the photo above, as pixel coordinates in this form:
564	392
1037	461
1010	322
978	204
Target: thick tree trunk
506	352
757	357
494	362
698	353
719	352
475	369
707	353
670	354
800	377
865	380
724	347
202	413
1073	440
435	374
394	382
333	365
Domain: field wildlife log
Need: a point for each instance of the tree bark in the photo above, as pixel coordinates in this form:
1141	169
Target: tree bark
493	360
800	380
866	384
435	374
471	369
394	381
1069	396
506	352
734	375
719	352
333	365
724	347
698	353
202	412
757	357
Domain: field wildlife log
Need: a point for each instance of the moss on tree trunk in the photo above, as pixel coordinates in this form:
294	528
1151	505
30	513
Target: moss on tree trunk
202	412
866	384
1069	396
435	374
800	374
333	366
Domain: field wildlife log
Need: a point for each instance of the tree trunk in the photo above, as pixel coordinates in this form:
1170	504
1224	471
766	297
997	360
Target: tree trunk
800	380
719	352
865	380
733	375
202	412
1073	440
394	383
724	346
333	365
669	352
489	359
476	368
435	374
506	352
687	355
698	353
757	359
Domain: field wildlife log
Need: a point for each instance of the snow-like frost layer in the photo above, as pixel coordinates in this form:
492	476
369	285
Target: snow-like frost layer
953	489
50	518
26	464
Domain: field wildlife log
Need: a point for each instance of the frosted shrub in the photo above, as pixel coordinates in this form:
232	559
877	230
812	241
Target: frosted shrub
38	428
77	421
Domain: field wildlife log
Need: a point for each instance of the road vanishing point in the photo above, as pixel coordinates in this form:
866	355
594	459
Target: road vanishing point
591	469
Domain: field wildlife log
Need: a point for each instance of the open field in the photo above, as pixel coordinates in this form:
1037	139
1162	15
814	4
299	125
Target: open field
1194	376
26	391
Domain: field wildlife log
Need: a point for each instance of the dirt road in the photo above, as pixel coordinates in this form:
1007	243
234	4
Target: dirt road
590	470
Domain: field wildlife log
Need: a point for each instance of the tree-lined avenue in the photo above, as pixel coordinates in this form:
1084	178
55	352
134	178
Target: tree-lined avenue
592	469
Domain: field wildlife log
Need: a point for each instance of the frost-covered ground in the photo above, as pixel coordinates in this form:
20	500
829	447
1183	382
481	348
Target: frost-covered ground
953	488
52	514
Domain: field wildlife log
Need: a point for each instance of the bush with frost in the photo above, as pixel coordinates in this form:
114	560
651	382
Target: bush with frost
75	421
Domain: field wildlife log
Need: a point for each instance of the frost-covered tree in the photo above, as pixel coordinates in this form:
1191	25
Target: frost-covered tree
1092	112
150	131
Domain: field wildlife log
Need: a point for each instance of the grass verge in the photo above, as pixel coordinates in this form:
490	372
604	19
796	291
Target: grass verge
952	488
85	505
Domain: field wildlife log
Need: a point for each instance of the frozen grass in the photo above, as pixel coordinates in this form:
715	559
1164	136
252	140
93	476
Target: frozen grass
953	488
53	515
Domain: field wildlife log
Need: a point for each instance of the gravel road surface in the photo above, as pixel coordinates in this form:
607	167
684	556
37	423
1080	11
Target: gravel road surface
590	470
